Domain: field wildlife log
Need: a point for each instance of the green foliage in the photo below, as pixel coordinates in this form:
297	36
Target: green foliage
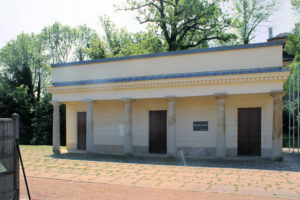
292	47
85	36
24	76
184	24
17	100
42	123
96	49
114	36
293	44
140	43
249	14
122	43
60	41
66	44
296	5
16	58
289	89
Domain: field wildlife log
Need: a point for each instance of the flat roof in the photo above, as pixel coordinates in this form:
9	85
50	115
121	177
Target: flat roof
172	53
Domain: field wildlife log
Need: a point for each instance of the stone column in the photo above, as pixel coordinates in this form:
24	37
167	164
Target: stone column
128	126
89	124
221	144
171	127
277	126
56	128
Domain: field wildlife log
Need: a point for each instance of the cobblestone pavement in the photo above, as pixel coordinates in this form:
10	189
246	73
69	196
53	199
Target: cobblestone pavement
243	177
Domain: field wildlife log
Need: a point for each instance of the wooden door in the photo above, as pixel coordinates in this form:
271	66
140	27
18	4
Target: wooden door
158	132
81	130
249	131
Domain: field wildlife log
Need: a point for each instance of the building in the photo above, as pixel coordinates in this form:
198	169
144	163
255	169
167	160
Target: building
287	58
222	102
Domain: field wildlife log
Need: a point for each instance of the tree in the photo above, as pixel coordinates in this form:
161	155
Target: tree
84	36
293	44
120	42
296	5
60	41
96	49
17	100
184	24
40	67
146	42
249	14
25	73
17	60
113	36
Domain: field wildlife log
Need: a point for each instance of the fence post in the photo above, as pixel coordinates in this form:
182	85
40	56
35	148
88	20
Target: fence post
298	107
290	89
15	118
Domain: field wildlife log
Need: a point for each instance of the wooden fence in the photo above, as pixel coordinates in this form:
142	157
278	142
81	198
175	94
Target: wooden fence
9	160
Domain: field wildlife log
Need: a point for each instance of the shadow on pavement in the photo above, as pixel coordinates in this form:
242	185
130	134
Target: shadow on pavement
291	162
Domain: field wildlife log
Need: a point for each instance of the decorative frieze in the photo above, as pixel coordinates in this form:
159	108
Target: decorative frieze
169	83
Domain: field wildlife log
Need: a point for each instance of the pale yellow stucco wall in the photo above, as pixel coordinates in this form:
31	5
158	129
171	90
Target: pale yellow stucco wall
140	118
108	120
199	62
265	102
71	122
196	109
109	117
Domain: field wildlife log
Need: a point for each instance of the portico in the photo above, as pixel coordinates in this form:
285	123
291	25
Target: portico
188	102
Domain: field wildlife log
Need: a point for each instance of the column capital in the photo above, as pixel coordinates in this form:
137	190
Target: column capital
56	103
171	98
87	101
221	96
277	94
127	100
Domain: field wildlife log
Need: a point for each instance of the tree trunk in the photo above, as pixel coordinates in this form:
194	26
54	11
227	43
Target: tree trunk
39	87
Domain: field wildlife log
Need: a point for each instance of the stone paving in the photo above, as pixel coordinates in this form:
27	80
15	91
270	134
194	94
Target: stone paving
246	176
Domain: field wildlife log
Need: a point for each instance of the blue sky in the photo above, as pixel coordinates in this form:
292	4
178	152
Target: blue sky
28	16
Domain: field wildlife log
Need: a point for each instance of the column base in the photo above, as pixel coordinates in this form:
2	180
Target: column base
56	151
277	159
128	154
220	152
172	154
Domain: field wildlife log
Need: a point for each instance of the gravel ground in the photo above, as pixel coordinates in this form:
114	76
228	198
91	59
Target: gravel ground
75	175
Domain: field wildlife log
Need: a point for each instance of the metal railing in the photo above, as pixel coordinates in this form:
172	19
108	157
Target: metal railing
292	140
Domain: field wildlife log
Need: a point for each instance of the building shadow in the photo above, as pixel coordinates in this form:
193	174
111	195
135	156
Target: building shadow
291	162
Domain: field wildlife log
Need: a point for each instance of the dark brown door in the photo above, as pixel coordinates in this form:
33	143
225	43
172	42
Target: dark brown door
158	132
81	130
249	131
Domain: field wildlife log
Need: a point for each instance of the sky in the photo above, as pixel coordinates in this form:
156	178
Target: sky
17	16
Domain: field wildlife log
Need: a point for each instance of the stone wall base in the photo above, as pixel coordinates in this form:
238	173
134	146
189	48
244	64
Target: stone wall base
189	152
140	150
266	152
109	149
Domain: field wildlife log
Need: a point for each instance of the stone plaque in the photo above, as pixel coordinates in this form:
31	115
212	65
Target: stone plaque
200	126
